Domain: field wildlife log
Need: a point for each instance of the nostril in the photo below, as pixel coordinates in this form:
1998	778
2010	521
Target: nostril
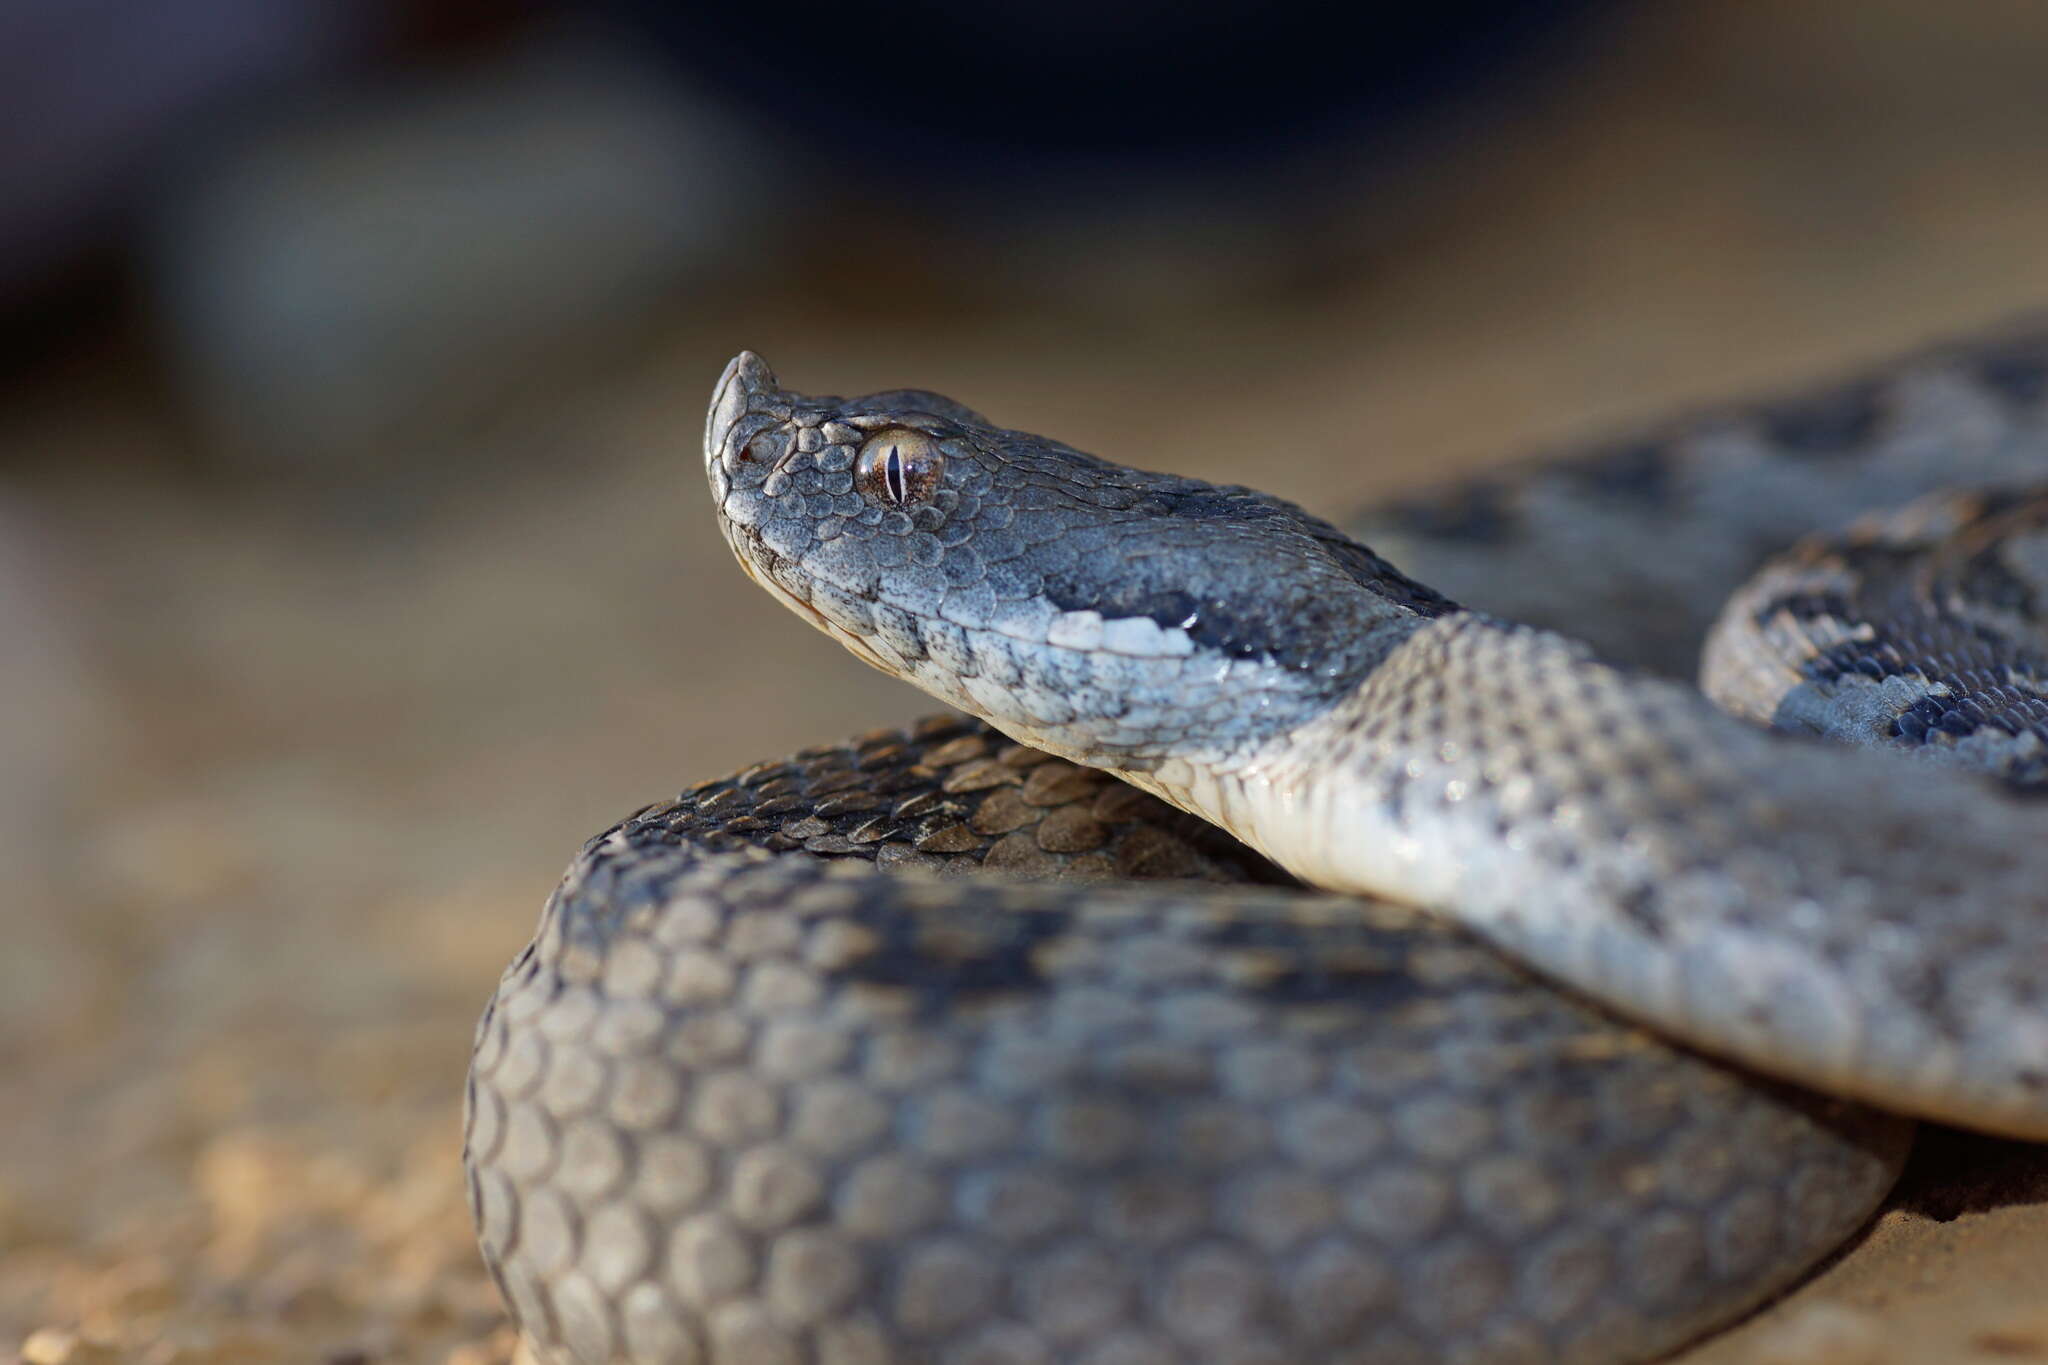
753	452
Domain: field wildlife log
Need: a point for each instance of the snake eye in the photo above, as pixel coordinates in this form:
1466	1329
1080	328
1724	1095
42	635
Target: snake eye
899	467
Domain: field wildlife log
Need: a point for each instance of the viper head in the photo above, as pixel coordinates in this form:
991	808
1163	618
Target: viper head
1105	613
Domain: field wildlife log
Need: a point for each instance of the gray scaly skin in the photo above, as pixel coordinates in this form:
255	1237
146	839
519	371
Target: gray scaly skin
734	1109
1817	913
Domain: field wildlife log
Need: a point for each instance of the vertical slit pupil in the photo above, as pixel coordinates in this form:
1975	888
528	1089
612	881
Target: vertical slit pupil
892	475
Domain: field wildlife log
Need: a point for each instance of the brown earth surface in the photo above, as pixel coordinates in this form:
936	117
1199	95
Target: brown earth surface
286	775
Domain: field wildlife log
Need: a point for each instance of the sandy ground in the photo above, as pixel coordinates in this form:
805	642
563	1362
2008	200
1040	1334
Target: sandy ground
285	775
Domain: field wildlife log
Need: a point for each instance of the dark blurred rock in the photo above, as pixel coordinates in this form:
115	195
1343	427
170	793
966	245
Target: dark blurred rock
357	279
991	93
1122	159
92	96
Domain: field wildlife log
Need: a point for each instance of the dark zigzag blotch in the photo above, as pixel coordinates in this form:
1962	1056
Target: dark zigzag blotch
1832	423
2016	371
1637	472
1479	513
976	949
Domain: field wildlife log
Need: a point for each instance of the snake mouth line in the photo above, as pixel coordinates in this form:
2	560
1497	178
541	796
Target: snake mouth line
754	570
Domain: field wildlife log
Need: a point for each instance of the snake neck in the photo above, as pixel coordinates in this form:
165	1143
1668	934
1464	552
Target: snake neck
1351	799
1329	800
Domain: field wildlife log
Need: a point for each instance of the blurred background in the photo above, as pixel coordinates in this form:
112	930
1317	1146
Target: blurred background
355	563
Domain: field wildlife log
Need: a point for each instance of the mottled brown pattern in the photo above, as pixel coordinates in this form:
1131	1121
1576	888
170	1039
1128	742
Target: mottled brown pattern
944	798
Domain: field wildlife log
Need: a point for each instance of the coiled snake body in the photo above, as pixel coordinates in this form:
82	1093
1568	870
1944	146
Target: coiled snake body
773	1084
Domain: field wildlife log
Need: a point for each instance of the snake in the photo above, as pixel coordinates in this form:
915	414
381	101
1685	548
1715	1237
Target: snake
1275	955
